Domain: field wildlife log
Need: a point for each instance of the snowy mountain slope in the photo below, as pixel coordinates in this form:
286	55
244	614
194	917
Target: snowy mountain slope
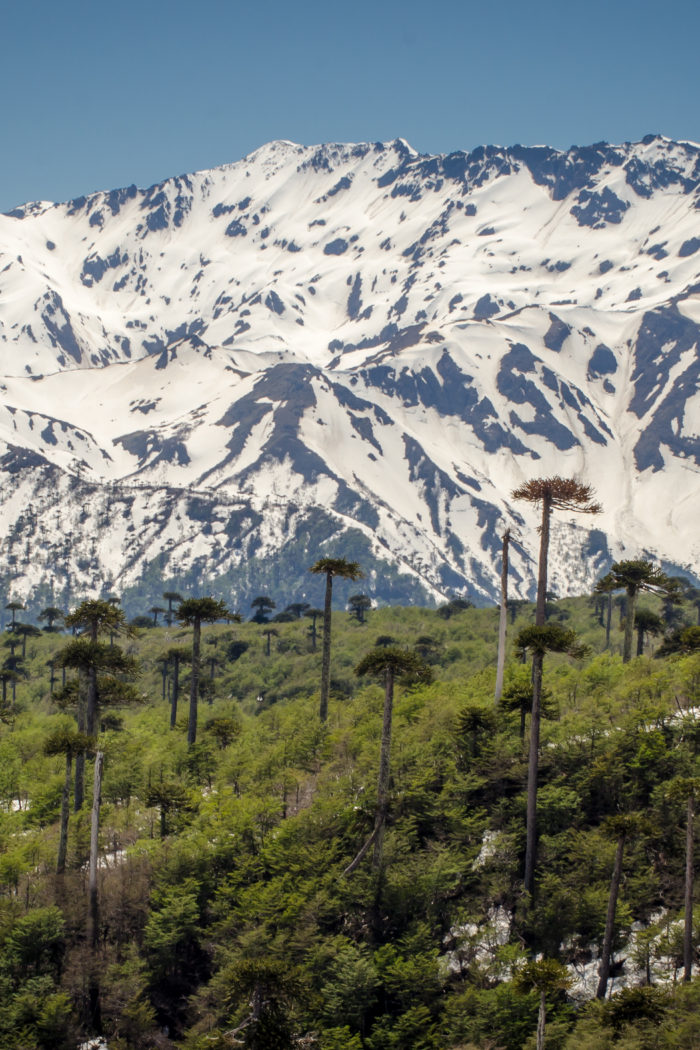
204	375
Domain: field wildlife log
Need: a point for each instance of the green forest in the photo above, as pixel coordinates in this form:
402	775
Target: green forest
257	871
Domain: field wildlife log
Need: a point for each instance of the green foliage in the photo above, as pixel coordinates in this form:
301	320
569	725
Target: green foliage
221	868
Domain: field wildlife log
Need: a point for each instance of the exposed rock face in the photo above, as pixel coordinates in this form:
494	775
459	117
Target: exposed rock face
353	347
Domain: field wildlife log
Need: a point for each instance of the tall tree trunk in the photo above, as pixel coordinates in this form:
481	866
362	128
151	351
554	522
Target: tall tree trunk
688	918
65	812
541	1021
608	621
542	568
629	626
176	690
640	641
326	652
384	761
93	904
79	791
604	968
194	682
532	774
501	663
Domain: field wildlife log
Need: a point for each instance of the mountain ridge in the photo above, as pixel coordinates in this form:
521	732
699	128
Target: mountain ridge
383	340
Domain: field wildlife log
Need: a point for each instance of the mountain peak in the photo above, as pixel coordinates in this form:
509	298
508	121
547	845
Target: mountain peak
353	343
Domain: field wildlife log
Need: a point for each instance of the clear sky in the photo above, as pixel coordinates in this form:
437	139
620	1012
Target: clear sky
101	94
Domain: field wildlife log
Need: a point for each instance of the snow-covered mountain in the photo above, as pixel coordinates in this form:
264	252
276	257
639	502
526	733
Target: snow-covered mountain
356	349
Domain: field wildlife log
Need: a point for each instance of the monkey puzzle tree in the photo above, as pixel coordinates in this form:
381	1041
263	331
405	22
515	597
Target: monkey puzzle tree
502	620
51	614
539	640
687	789
263	605
193	612
346	570
92	618
69	743
389	663
313	615
544	976
359	604
646	622
556	493
14	606
619	827
269	633
635	576
170	597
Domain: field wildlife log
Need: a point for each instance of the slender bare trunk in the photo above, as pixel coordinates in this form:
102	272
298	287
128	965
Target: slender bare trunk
384	760
608	621
542	568
501	663
532	774
65	813
176	689
93	900
326	652
629	626
194	682
93	915
604	968
79	791
541	1021
688	918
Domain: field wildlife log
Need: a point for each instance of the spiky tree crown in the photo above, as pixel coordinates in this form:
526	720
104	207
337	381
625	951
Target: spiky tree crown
550	639
638	575
99	614
349	570
401	662
561	493
206	610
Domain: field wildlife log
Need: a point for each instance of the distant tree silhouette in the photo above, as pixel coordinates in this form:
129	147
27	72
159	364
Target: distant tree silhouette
51	614
92	618
170	597
313	615
14	607
270	633
359	605
176	656
636	576
156	610
69	743
646	622
346	570
262	605
194	612
389	663
539	640
24	631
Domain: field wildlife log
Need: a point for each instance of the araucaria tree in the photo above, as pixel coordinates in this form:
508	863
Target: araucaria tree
346	570
556	493
549	638
193	612
87	655
69	743
387	662
636	576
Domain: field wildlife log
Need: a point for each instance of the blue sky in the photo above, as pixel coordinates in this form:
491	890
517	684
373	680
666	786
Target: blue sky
98	95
